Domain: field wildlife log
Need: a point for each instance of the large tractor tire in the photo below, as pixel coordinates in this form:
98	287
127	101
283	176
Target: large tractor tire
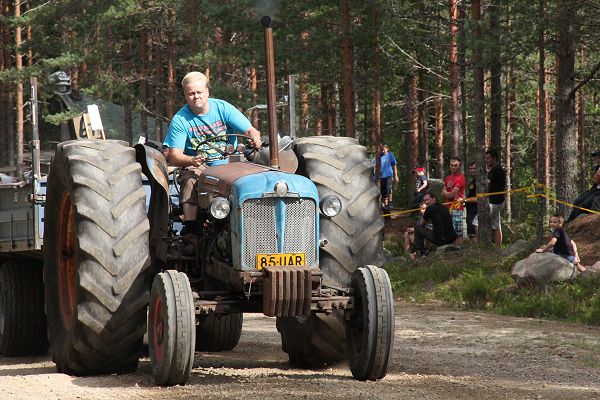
338	166
22	318
95	257
218	332
171	328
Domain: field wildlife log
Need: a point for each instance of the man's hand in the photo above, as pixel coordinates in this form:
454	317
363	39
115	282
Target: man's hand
540	250
254	136
197	161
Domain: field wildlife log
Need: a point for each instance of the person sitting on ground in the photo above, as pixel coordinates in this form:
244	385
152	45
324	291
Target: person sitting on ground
421	186
560	243
442	231
409	235
589	199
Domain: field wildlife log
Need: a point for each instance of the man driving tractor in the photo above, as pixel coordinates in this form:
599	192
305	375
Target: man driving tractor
201	118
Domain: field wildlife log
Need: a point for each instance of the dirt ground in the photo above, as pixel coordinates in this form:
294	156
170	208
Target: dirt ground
438	354
585	231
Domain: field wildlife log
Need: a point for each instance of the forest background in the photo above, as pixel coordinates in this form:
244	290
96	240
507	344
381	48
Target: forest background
433	79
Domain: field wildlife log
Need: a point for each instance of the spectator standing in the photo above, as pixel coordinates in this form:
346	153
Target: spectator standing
442	229
421	186
388	174
453	194
471	201
496	184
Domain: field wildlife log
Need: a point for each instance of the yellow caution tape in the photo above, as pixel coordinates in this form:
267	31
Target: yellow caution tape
459	203
563	202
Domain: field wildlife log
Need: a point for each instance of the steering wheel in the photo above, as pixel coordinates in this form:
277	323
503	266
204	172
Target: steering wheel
211	142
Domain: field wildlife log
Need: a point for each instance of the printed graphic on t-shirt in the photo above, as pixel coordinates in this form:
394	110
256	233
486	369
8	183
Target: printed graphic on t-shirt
199	133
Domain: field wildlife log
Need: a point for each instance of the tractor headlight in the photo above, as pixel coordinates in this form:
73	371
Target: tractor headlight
281	188
219	208
331	206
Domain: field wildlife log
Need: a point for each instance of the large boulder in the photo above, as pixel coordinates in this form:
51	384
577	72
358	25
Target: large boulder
541	268
594	267
518	248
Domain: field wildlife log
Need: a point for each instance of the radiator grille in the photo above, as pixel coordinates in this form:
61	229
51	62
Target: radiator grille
260	230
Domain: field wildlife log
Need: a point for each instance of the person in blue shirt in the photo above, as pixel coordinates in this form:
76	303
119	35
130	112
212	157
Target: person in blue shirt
388	174
201	118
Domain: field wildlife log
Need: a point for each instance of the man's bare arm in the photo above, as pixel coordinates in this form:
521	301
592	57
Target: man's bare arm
178	159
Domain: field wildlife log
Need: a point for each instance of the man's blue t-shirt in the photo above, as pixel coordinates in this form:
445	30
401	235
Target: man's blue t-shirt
188	129
387	162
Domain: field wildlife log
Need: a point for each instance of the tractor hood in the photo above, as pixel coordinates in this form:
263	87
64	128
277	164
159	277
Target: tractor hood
263	185
248	180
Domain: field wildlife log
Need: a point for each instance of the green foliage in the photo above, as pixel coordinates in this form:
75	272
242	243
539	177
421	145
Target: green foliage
480	279
60	118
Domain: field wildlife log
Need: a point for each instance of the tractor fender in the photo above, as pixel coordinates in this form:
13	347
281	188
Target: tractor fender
154	165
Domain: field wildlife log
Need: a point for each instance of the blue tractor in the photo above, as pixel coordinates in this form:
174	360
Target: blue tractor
302	247
295	234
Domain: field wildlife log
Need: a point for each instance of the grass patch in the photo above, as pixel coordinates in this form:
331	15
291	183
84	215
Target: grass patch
479	279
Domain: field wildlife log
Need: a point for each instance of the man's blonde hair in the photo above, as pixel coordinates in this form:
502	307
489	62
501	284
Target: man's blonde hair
193	77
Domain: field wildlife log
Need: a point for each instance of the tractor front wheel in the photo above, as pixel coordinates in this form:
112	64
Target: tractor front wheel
171	330
370	330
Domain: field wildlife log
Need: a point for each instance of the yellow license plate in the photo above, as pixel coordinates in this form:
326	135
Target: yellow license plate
280	260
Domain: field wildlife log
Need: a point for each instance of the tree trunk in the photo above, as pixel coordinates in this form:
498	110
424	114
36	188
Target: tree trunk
483	211
170	97
410	89
158	85
454	77
542	140
566	145
192	21
376	132
348	62
496	80
580	112
422	122
3	104
462	95
19	93
414	127
439	135
510	124
145	58
127	101
304	104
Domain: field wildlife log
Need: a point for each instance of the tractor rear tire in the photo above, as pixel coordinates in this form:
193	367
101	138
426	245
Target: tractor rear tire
370	330
219	332
95	258
22	318
171	328
338	166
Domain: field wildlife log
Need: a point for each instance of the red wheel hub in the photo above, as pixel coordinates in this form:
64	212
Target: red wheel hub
66	262
158	328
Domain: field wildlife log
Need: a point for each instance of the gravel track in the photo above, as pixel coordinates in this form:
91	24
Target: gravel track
438	354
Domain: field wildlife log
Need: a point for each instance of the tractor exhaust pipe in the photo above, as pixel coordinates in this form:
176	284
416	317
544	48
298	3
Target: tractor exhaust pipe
271	106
